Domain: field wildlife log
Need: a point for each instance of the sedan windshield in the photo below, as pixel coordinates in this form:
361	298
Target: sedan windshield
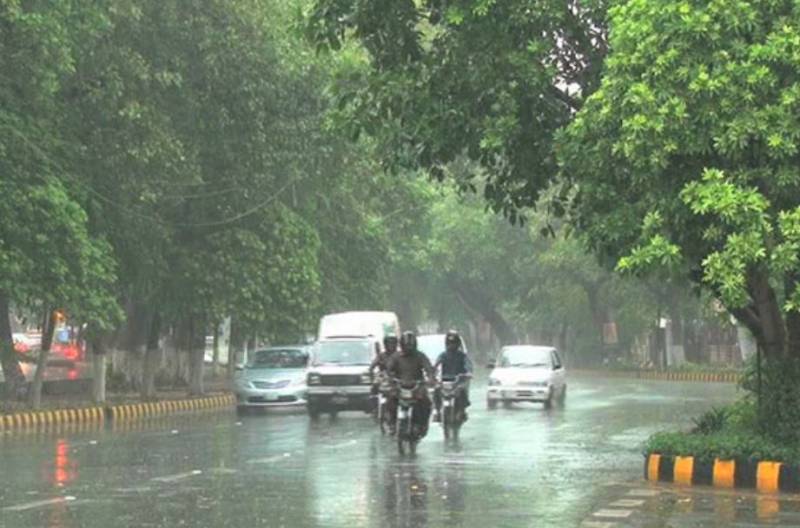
525	357
343	353
289	358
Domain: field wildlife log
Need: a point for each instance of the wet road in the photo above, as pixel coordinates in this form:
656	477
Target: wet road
517	467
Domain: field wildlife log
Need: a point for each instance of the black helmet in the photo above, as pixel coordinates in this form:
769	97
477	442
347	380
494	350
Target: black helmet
452	337
390	340
408	342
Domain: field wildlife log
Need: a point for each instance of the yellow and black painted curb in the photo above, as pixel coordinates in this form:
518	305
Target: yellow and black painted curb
717	377
765	476
720	377
61	418
38	420
146	410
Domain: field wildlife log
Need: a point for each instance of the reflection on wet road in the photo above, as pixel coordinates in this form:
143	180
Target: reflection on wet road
513	467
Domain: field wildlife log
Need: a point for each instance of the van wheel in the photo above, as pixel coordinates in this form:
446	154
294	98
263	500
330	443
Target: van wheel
548	403
313	411
562	398
491	404
507	404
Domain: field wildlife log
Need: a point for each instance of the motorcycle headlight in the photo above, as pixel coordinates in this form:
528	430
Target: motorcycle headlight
494	382
313	379
366	379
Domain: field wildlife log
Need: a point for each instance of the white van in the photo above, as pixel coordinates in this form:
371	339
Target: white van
359	324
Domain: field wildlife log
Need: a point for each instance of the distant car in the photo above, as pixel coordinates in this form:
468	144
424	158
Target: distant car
338	375
273	376
433	344
526	373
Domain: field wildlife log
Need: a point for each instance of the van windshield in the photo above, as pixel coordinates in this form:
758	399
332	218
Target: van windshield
525	357
343	353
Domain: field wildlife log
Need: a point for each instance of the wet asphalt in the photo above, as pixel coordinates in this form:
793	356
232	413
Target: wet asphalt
523	466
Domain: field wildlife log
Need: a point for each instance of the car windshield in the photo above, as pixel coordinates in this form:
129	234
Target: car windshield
343	353
525	357
288	358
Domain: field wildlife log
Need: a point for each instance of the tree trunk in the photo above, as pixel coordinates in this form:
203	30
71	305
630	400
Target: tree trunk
770	329
48	328
792	320
148	388
12	372
196	357
98	370
233	351
477	303
562	339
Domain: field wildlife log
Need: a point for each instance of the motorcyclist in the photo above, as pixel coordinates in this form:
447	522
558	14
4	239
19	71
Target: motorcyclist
411	366
381	360
453	362
380	363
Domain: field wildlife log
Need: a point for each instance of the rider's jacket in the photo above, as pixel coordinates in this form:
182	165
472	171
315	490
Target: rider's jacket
410	368
453	364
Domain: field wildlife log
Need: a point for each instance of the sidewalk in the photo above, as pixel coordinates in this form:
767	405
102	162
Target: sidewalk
651	506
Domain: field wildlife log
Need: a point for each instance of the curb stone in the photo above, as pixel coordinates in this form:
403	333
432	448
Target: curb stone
53	419
762	475
716	377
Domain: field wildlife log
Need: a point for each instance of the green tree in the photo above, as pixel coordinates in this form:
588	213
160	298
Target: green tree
490	80
694	129
48	257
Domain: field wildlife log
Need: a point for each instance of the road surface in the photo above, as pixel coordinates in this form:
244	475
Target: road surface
513	467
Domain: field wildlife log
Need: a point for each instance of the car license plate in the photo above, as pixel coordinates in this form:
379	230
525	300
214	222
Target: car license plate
271	397
339	400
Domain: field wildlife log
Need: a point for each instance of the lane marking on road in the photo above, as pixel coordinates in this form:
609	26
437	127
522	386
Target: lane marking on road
177	477
222	471
270	459
643	493
627	503
343	444
39	504
596	524
613	514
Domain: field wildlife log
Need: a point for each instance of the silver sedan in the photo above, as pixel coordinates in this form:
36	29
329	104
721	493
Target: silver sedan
273	377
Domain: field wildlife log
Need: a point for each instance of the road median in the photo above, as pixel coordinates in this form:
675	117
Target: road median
58	419
707	377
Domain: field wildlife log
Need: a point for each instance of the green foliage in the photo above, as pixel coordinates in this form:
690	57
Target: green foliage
779	409
481	79
723	445
710	422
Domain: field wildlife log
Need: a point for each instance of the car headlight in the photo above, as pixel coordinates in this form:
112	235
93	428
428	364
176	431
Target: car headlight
297	382
313	379
366	379
494	382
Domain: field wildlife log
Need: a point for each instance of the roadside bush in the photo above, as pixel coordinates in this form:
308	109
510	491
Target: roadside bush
710	422
779	412
724	445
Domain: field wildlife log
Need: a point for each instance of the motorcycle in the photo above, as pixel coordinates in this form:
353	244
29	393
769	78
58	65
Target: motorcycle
408	433
382	415
452	414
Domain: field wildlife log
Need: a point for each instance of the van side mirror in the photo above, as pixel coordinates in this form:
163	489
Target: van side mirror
491	365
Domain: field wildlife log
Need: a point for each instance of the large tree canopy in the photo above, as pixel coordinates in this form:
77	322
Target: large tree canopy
492	80
695	129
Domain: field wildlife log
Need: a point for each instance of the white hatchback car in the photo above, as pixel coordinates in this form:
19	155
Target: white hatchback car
526	373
